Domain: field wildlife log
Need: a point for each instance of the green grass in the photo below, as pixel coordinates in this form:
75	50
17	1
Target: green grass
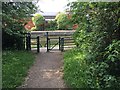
75	69
15	65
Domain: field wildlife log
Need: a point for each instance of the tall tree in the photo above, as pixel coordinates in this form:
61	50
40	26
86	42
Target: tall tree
38	21
14	16
63	21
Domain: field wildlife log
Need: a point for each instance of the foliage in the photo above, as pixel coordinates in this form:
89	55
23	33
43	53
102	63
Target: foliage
98	39
38	21
63	22
51	25
14	16
33	28
75	69
15	65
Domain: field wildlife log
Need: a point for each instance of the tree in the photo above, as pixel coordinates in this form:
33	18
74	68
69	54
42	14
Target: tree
63	21
14	16
38	21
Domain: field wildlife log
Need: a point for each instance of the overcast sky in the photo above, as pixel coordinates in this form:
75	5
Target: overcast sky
53	5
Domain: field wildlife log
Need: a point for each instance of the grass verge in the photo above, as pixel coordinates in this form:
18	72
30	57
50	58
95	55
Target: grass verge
15	65
75	69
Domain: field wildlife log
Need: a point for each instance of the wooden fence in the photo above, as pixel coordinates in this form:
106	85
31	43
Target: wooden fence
63	39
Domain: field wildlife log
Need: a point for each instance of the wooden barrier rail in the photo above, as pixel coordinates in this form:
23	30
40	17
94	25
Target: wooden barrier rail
53	33
53	38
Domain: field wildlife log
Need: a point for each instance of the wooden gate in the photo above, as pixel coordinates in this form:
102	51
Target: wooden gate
63	40
59	43
60	40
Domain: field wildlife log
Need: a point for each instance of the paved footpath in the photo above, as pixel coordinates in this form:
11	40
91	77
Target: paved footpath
46	71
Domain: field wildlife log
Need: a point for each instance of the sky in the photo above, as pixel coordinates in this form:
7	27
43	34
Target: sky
57	5
53	5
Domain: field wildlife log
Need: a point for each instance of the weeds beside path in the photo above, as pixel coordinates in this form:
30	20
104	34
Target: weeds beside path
46	71
15	65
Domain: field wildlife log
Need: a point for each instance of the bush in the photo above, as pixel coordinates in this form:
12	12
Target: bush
12	41
98	40
51	25
81	73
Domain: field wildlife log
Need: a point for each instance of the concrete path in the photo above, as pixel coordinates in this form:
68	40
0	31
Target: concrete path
46	71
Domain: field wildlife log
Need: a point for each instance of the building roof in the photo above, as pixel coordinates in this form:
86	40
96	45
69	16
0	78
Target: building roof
49	13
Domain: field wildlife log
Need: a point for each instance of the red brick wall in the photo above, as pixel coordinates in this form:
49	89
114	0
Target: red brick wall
29	25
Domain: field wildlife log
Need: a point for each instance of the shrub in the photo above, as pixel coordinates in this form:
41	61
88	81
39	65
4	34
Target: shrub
51	25
98	40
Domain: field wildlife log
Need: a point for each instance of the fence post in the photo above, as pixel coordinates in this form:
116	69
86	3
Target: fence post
28	41
59	43
38	48
47	41
62	44
23	42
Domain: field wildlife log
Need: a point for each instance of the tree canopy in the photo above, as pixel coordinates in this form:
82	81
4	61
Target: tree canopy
38	21
62	20
14	16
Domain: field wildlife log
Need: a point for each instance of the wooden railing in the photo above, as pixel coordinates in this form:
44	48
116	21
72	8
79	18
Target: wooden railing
63	37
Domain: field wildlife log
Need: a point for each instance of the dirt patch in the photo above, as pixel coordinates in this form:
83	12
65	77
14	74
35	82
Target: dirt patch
46	71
